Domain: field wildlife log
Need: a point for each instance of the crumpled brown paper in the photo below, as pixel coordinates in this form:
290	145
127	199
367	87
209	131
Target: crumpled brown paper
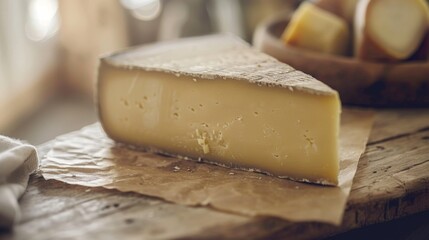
89	158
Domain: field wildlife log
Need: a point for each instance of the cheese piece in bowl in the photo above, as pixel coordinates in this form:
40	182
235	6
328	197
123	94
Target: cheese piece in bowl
318	30
389	30
216	99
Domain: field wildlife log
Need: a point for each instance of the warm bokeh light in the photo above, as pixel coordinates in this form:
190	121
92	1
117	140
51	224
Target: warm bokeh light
42	20
143	9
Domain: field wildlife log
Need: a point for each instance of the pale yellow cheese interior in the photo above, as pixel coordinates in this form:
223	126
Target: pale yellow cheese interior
235	123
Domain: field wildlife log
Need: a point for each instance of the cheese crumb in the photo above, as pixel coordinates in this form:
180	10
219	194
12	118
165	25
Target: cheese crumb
206	149
202	141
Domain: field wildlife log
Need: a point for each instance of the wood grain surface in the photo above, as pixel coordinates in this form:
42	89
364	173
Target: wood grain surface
392	181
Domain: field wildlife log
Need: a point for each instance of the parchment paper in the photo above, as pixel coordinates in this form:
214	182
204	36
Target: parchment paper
89	158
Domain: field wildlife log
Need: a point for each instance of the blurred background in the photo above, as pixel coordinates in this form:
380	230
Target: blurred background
49	50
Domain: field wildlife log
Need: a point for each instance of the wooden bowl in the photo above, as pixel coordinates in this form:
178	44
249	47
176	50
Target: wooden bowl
361	83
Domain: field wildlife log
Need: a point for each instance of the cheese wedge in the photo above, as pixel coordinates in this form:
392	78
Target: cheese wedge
318	30
389	30
217	100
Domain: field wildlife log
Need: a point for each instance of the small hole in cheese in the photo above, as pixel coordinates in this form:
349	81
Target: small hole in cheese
140	105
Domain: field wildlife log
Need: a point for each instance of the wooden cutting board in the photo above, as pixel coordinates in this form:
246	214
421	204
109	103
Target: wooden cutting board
392	181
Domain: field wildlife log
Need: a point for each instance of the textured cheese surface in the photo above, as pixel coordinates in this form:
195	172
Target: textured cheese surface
272	128
217	56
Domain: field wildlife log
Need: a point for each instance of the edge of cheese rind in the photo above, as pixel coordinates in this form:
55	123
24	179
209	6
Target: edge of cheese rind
227	57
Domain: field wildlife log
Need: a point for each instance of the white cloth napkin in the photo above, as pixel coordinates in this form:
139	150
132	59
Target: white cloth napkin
17	162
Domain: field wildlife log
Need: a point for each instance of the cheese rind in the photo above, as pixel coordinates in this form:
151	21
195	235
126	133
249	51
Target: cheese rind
213	57
225	117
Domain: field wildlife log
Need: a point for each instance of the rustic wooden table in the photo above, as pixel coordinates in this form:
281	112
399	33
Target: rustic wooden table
392	181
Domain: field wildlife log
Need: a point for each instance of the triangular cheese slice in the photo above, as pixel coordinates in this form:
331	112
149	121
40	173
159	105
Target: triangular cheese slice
218	100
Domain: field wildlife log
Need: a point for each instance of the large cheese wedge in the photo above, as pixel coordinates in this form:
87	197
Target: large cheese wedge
389	30
318	30
217	100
